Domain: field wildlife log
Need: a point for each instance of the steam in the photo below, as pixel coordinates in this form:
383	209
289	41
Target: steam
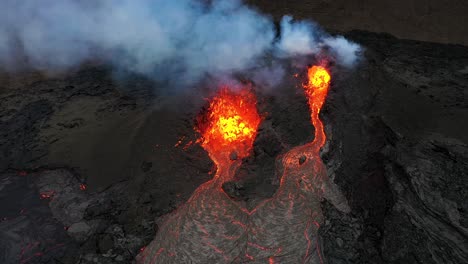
298	38
183	39
344	51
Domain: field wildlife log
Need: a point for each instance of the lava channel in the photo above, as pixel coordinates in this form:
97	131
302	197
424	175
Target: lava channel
212	228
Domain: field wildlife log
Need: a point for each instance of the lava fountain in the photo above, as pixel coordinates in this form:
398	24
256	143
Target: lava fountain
229	127
316	91
212	228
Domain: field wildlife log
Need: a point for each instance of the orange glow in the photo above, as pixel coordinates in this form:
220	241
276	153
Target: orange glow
230	124
319	78
316	90
317	86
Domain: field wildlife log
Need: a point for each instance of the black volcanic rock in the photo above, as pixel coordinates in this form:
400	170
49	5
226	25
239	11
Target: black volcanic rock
398	153
428	178
397	148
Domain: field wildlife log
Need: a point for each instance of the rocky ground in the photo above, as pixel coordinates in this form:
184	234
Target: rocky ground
91	160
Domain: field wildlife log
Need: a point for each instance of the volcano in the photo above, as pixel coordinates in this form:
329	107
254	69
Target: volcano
336	164
389	147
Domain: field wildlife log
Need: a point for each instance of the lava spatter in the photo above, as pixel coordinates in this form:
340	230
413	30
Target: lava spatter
229	127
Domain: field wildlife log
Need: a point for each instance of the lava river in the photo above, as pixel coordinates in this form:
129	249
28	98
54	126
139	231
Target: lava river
212	228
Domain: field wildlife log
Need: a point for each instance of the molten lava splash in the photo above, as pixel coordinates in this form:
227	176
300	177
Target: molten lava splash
230	124
316	90
319	78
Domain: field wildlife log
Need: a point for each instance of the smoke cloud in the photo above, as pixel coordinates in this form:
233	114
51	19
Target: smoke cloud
183	39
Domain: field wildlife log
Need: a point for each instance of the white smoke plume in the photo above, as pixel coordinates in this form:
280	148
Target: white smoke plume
298	38
345	52
163	39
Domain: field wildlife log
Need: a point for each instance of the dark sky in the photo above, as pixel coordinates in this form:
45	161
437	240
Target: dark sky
443	21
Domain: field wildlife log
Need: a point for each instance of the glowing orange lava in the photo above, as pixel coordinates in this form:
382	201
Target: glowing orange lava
229	125
316	90
211	227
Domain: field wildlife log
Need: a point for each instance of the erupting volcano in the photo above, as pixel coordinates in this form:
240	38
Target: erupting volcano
213	228
233	131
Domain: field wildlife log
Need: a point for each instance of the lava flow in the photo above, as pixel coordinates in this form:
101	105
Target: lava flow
316	91
212	228
209	226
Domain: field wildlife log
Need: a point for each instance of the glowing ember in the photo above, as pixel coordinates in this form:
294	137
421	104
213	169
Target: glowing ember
230	124
47	195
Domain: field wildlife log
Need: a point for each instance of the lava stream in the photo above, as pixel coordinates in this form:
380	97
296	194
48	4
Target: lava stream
316	91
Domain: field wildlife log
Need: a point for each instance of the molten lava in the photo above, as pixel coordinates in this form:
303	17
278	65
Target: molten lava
319	78
213	228
316	90
230	124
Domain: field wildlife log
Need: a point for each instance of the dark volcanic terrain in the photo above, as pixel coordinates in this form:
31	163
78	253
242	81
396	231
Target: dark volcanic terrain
90	162
425	20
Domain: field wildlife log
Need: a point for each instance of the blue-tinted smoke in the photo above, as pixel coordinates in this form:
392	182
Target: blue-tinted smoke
183	39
